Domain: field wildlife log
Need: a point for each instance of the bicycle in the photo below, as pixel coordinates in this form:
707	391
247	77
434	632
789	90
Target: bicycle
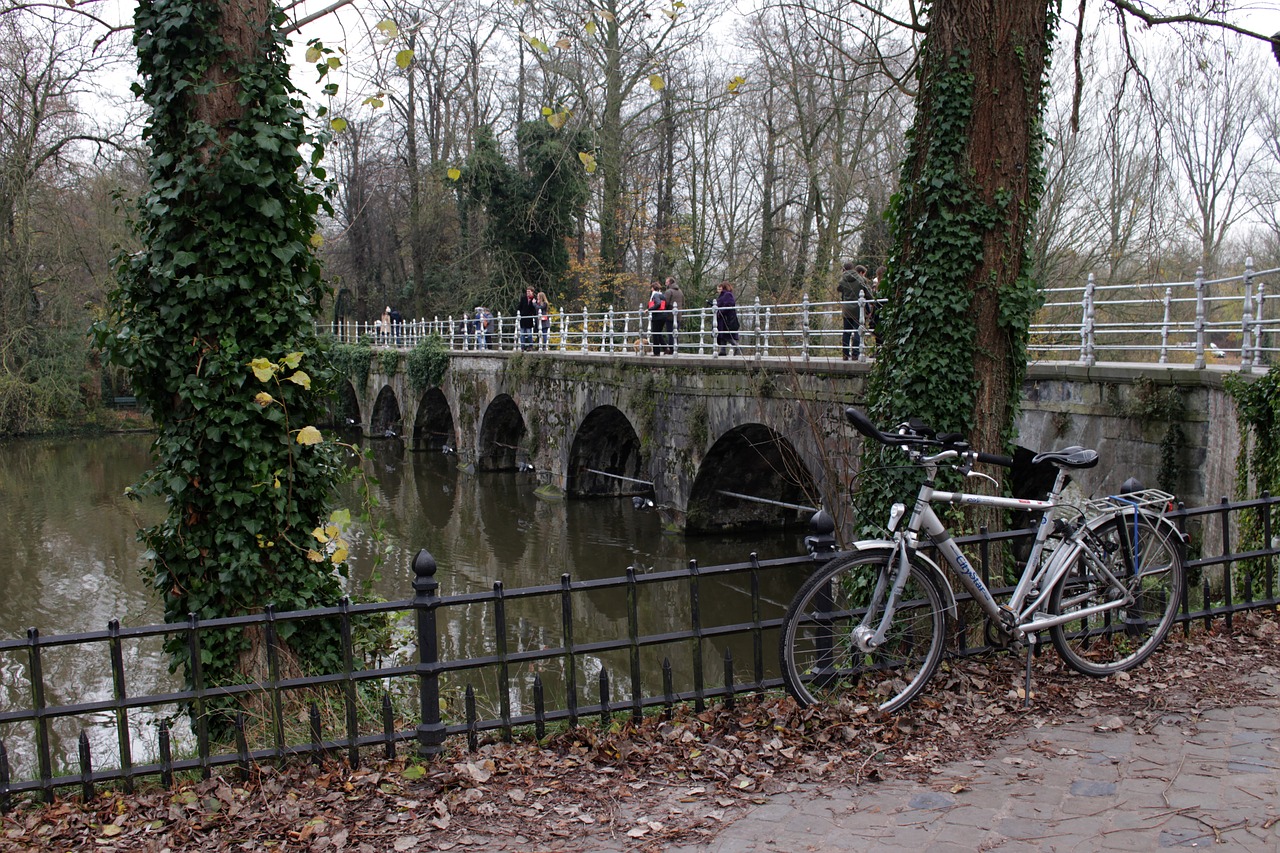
1103	577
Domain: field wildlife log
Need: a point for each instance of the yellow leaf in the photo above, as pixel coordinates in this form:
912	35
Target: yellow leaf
607	15
373	101
340	554
264	399
300	377
317	240
590	27
404	58
546	111
655	81
677	5
340	517
275	484
332	532
388	28
557	120
314	53
338	125
292	360
734	83
315	556
262	368
454	173
334	62
110	829
309	435
564	43
588	160
319	534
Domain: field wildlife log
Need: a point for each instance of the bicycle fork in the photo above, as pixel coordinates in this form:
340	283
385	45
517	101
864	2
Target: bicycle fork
864	636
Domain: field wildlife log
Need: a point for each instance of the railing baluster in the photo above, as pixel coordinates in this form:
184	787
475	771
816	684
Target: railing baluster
504	672
388	728
196	665
633	644
570	666
757	629
473	729
348	682
166	756
1246	319
242	748
317	734
4	779
668	686
1229	565
1201	318
273	680
605	711
539	709
118	694
695	626
43	756
728	678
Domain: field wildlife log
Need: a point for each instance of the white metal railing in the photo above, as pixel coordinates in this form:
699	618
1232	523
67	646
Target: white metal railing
1230	321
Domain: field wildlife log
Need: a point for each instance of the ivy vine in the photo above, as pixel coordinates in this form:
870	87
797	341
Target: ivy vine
1258	464
426	363
214	322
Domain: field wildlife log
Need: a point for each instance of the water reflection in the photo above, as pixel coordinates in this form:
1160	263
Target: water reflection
75	564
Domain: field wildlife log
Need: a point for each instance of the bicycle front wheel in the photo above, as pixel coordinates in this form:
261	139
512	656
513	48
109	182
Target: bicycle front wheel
1141	552
820	662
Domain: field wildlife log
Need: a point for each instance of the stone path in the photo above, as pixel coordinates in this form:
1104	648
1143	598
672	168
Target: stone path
1211	781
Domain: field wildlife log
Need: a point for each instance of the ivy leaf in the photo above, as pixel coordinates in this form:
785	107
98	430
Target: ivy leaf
315	556
309	435
557	120
334	62
588	160
454	173
656	82
373	101
292	360
340	554
262	368
340	517
314	52
404	58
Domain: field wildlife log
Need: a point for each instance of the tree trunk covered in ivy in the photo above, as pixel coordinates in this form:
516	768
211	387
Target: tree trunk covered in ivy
215	322
952	342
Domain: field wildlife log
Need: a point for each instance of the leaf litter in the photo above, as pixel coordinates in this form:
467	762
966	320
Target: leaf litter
644	785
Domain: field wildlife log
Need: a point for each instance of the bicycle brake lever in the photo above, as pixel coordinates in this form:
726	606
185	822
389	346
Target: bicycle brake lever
987	477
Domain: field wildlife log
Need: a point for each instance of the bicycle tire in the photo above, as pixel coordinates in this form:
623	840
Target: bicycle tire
820	664
1115	640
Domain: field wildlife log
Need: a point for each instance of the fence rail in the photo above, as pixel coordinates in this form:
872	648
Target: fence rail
569	673
1230	321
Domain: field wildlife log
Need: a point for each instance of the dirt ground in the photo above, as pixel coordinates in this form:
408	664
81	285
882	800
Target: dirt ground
640	786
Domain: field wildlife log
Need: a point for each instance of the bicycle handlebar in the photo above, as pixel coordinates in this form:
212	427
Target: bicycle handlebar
924	437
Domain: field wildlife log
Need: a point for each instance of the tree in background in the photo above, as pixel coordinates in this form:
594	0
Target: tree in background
215	323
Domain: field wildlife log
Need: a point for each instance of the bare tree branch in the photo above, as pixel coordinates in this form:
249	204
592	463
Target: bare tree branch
1153	18
314	16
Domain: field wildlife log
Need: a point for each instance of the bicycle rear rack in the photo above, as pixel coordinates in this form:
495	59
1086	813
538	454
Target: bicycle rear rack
1154	499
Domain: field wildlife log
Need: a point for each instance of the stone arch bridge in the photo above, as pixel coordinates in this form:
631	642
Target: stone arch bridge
722	443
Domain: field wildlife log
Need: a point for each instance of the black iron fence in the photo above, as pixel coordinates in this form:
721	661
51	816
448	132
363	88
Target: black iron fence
558	654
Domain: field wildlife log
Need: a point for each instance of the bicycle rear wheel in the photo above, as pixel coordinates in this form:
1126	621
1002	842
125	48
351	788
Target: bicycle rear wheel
1142	553
821	664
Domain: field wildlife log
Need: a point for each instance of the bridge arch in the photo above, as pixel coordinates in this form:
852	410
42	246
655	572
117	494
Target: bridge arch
346	408
385	419
433	427
751	459
501	431
605	458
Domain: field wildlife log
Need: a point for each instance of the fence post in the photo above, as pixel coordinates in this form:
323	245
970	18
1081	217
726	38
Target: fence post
425	602
607	342
1164	327
1246	319
1086	324
1200	318
763	349
586	341
702	334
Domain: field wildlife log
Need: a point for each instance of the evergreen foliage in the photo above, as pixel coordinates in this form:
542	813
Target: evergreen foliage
214	321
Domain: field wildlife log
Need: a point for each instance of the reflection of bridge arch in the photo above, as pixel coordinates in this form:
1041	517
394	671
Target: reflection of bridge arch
433	428
385	419
605	442
500	434
346	412
750	459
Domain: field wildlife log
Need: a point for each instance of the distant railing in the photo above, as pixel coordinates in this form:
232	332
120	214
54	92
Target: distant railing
532	637
1229	321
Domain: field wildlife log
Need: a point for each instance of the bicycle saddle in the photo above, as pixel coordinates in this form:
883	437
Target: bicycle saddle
1069	457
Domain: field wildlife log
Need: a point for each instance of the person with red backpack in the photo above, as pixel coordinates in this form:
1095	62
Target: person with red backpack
659	319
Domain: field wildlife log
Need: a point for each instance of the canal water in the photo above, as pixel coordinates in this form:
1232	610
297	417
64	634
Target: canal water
74	562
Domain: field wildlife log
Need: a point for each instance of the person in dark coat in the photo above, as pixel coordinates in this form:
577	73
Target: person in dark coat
528	311
726	319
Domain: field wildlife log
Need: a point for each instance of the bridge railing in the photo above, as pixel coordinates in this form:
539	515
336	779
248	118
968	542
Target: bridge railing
1230	321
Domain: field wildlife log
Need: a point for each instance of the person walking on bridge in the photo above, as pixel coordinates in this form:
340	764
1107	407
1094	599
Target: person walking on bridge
659	318
528	311
675	299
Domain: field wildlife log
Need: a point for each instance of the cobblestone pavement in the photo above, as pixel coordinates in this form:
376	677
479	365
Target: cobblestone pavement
1210	781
